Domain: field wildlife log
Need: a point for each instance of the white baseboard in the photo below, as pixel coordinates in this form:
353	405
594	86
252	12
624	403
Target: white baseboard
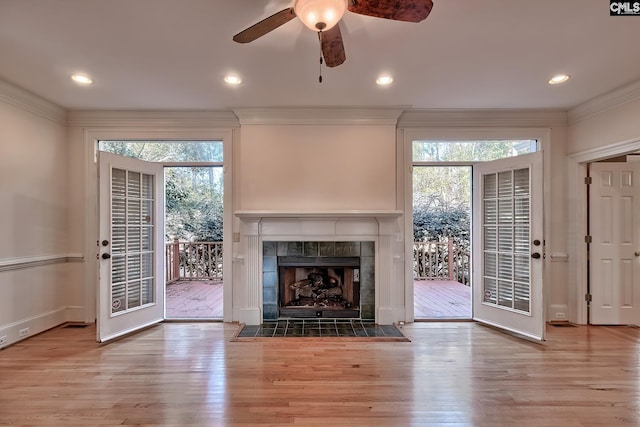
75	314
32	326
389	316
248	316
558	312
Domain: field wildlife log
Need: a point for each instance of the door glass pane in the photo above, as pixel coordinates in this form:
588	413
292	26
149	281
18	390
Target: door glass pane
505	240
490	290
521	186
490	212
505	184
505	293
522	209
490	190
490	238
131	233
506	266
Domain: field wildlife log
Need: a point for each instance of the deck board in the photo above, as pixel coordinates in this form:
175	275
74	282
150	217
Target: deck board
193	299
441	300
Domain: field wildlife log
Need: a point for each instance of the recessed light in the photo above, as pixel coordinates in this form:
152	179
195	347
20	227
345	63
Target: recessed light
81	79
384	80
560	78
232	79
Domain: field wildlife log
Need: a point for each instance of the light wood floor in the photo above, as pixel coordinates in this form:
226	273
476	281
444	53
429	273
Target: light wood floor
453	374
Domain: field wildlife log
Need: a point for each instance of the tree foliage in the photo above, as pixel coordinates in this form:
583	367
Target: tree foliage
441	208
193	195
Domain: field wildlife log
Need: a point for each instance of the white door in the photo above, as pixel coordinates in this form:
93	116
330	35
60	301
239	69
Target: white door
614	217
131	290
508	244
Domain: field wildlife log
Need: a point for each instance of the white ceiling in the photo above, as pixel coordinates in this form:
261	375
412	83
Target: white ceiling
173	54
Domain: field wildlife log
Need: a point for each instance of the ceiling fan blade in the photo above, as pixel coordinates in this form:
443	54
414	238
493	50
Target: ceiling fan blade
266	25
332	46
397	10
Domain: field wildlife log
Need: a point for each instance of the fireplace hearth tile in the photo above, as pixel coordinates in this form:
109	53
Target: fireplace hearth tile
319	329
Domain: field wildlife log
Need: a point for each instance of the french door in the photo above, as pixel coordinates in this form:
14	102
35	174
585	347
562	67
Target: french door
614	225
508	244
131	218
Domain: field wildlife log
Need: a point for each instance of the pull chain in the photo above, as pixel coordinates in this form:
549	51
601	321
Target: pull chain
321	60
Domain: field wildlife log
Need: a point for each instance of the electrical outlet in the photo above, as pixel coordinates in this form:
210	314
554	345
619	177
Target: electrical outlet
23	332
3	340
560	316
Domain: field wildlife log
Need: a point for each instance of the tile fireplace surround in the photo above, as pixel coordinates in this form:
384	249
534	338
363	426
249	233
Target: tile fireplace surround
377	231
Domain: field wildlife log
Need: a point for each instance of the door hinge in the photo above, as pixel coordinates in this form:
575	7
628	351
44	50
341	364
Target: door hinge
588	180
588	239
588	298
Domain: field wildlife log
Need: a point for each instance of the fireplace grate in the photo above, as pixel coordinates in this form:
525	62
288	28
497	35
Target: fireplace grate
318	328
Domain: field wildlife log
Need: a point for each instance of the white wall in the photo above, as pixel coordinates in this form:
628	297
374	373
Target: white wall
33	218
613	126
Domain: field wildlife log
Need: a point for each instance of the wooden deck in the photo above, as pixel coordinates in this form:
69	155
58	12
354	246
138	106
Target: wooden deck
441	300
194	299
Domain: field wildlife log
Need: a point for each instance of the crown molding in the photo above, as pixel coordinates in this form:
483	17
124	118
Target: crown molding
32	103
160	118
319	115
482	118
602	103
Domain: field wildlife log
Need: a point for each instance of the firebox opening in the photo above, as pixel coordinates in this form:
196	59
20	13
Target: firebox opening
319	287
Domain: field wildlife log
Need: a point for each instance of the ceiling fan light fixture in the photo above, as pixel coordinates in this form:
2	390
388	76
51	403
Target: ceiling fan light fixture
320	15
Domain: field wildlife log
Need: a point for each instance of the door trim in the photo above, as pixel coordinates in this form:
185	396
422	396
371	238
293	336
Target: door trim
577	224
91	136
404	154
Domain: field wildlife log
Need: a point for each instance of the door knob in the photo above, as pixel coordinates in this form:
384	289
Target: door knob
637	253
106	256
535	255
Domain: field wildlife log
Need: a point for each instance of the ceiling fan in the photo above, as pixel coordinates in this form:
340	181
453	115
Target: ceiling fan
323	16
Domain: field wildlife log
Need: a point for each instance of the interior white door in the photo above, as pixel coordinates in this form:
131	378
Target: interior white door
131	288
614	225
508	244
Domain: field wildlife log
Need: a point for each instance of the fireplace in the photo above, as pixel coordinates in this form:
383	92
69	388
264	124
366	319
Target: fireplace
372	235
318	279
319	287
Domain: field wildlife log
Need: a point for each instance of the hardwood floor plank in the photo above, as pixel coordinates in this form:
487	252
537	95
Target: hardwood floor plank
453	374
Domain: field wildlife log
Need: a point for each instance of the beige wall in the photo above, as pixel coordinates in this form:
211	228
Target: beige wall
33	221
316	167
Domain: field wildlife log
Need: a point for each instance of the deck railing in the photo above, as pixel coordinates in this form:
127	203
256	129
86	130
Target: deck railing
203	261
440	261
193	260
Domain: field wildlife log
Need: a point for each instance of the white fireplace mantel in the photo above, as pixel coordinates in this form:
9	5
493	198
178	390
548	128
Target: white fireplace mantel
259	214
380	226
